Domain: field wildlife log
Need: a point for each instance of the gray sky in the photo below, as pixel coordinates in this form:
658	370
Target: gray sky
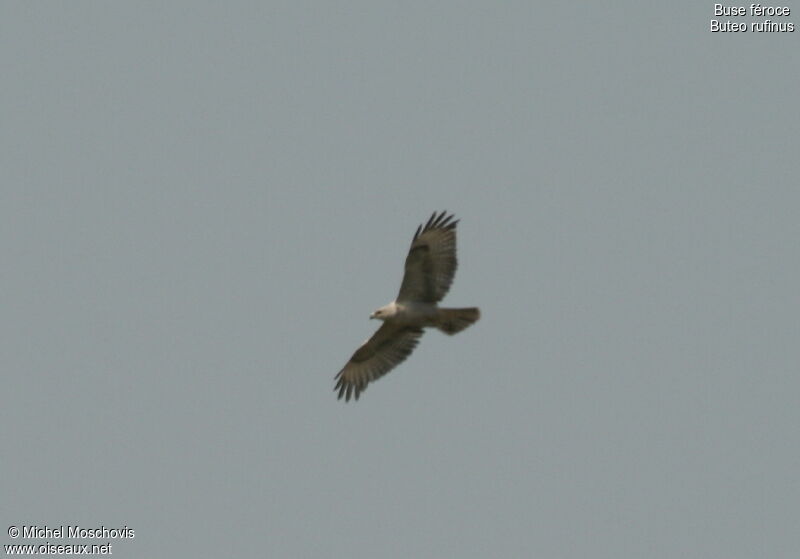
200	205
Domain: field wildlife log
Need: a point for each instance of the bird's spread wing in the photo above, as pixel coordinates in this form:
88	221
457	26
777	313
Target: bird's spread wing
431	261
387	347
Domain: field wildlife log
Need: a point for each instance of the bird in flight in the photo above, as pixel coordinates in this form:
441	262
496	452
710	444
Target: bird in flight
430	266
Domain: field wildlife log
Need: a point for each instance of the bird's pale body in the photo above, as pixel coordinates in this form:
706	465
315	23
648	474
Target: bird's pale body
411	312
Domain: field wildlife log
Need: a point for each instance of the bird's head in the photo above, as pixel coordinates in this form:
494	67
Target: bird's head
387	311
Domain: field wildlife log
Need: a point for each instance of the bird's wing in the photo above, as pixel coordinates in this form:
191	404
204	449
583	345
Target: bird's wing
387	347
431	262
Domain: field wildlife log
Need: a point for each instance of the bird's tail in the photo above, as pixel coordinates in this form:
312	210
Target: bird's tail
452	321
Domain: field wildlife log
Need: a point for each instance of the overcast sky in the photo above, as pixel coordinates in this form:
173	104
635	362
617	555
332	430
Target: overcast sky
201	204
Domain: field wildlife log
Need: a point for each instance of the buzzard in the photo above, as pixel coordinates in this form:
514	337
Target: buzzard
430	266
